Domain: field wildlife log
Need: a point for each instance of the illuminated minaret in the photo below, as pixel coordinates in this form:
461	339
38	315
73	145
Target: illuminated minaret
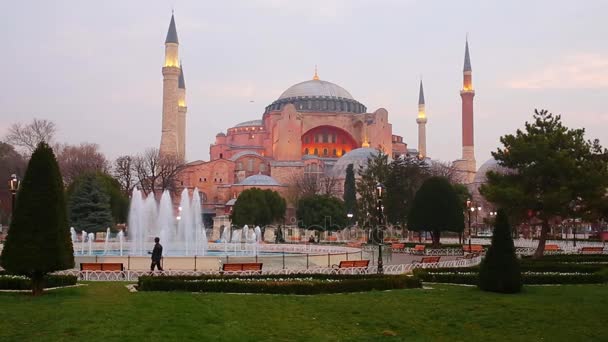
181	115
421	120
169	140
467	93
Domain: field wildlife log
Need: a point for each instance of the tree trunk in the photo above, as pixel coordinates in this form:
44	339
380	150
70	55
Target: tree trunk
543	238
37	283
435	235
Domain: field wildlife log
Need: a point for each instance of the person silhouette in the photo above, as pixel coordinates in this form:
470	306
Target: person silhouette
157	254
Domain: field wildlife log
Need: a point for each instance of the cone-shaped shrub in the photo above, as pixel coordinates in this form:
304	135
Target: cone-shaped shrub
500	271
38	240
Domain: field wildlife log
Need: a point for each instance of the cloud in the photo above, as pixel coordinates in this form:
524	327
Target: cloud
578	71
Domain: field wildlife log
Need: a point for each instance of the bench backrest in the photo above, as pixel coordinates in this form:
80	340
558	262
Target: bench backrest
101	266
398	246
249	266
473	248
353	263
419	247
431	259
552	248
592	249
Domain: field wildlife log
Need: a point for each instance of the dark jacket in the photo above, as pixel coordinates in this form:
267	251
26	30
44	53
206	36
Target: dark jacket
157	252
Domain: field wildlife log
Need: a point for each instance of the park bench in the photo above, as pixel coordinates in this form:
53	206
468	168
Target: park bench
244	266
352	263
473	248
419	249
354	244
101	266
468	256
591	250
397	247
552	248
332	238
428	260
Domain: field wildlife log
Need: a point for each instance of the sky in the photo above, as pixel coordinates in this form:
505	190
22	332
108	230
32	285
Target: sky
94	67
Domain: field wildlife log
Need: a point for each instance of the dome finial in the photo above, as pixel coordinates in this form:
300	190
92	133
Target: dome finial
315	77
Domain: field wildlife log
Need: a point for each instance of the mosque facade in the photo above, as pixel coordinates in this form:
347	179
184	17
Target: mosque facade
314	126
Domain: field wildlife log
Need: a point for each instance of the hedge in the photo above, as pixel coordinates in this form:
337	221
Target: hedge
472	278
13	282
574	258
303	284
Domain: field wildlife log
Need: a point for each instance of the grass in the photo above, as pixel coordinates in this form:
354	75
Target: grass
108	312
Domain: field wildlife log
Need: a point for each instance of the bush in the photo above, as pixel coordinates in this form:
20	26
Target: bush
530	278
572	258
303	284
499	270
18	282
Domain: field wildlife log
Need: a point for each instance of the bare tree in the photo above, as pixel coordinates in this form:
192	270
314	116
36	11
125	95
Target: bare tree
155	172
307	184
124	172
329	185
75	160
447	170
28	136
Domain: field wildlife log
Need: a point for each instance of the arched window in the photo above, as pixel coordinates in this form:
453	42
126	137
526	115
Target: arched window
221	155
306	150
334	152
239	166
262	167
324	151
316	152
250	165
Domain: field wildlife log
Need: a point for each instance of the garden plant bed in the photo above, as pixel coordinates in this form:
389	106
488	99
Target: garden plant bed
19	282
303	284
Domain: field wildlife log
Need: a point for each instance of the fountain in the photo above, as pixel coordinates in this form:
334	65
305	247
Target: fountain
121	238
90	239
106	242
74	236
84	240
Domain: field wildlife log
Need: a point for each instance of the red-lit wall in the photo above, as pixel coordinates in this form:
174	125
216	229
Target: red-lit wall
327	138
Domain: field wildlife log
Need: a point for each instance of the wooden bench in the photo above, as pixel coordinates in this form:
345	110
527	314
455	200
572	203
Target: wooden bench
353	263
419	249
552	248
332	238
244	266
468	256
354	244
428	260
397	247
102	266
473	248
591	250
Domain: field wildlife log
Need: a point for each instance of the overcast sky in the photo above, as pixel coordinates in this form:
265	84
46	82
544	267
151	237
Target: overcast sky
94	67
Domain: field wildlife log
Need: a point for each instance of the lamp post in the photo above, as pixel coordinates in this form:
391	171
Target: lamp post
471	207
13	185
380	223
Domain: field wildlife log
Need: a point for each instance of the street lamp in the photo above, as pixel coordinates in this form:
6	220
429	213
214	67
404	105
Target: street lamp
380	223
471	208
13	185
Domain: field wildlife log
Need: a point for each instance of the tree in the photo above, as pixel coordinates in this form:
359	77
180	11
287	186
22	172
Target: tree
119	202
39	240
500	271
157	172
321	212
124	172
552	167
30	135
436	208
258	207
77	160
350	192
375	172
446	170
89	206
405	176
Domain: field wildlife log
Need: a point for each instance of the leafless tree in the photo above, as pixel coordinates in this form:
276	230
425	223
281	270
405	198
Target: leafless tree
28	136
124	172
155	172
447	170
74	160
329	185
307	184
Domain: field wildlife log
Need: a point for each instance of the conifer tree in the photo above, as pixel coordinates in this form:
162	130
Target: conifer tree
89	206
39	241
350	192
500	271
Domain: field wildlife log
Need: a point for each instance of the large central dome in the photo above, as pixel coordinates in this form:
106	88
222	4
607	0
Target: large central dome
317	96
316	88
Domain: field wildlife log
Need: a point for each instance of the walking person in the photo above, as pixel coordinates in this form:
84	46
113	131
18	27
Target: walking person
157	254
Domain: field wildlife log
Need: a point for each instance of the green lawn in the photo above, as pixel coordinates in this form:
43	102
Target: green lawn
108	312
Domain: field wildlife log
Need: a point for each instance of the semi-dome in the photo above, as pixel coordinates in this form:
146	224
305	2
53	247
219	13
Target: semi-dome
358	157
490	165
250	123
317	88
260	180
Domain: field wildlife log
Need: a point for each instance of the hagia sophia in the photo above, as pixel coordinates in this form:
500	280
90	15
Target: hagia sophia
314	126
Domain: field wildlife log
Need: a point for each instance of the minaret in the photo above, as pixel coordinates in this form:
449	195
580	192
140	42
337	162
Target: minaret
467	93
181	115
169	140
421	120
